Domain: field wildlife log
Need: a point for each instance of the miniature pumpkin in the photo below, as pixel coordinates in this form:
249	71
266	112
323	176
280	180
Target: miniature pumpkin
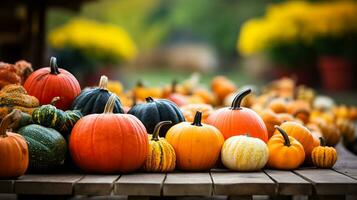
14	151
222	86
347	129
244	153
190	110
197	145
299	109
93	100
270	120
300	133
285	152
47	83
330	132
205	95
278	105
108	142
237	120
323	156
154	111
162	157
305	93
115	87
285	117
141	92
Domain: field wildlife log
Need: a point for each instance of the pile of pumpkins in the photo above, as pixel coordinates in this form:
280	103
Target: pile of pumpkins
49	120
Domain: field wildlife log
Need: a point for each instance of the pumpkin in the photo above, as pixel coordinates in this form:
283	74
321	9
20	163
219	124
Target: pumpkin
330	132
283	87
161	157
278	105
205	95
299	109
323	156
347	129
190	110
141	92
49	82
174	87
237	120
314	129
47	148
305	93
197	145
154	111
285	152
93	100
14	151
244	153
270	120
115	87
108	142
300	133
221	87
328	116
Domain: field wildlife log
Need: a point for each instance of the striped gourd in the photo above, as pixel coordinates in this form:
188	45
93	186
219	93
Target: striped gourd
324	156
244	153
161	156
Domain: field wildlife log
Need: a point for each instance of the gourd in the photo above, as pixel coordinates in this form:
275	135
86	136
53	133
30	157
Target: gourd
47	148
93	100
14	151
330	131
109	143
190	110
323	156
285	152
197	145
154	111
221	87
237	120
14	73
161	157
244	153
278	105
49	82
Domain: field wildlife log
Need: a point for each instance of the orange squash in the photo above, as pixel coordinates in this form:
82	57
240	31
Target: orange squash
270	120
278	105
237	120
222	86
14	153
323	156
300	109
197	145
190	110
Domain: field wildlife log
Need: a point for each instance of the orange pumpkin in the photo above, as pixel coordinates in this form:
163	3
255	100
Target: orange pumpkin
190	110
323	156
205	95
197	145
14	151
270	120
237	120
278	105
222	86
300	109
301	134
330	132
285	152
109	143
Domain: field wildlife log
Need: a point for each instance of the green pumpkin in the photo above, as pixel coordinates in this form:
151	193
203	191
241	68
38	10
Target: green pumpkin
47	148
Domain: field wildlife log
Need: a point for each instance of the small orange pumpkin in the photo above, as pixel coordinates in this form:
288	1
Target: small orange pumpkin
323	156
190	110
222	86
278	105
270	120
330	131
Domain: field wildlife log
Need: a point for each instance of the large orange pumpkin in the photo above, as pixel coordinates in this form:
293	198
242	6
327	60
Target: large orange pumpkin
14	153
109	143
197	145
49	82
237	120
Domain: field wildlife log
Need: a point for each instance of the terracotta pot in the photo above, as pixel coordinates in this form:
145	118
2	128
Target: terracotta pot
336	73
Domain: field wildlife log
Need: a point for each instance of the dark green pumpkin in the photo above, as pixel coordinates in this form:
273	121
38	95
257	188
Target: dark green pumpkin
154	111
47	148
93	100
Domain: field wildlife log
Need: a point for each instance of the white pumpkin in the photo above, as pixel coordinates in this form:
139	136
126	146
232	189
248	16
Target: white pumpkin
244	153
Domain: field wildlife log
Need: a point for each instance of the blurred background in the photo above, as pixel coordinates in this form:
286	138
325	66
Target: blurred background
157	41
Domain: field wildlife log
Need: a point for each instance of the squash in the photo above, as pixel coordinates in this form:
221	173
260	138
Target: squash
49	82
237	120
154	111
161	157
47	148
323	156
278	105
299	109
221	87
141	91
14	151
109	143
93	100
270	120
190	110
285	117
305	93
244	153
347	129
206	95
330	132
301	134
115	87
285	152
197	145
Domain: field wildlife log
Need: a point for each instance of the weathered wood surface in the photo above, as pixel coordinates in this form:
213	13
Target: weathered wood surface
6	186
188	184
95	185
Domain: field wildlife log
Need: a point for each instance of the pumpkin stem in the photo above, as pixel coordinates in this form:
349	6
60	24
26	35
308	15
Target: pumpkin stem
54	66
155	135
284	134
238	99
322	141
109	106
197	120
173	86
55	100
103	82
9	119
149	99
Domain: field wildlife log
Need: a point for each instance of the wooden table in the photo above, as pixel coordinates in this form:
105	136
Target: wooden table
316	183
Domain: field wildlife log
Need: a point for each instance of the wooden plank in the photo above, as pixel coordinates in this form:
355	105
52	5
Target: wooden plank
188	184
7	186
54	184
140	184
95	185
242	183
348	172
290	183
329	182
